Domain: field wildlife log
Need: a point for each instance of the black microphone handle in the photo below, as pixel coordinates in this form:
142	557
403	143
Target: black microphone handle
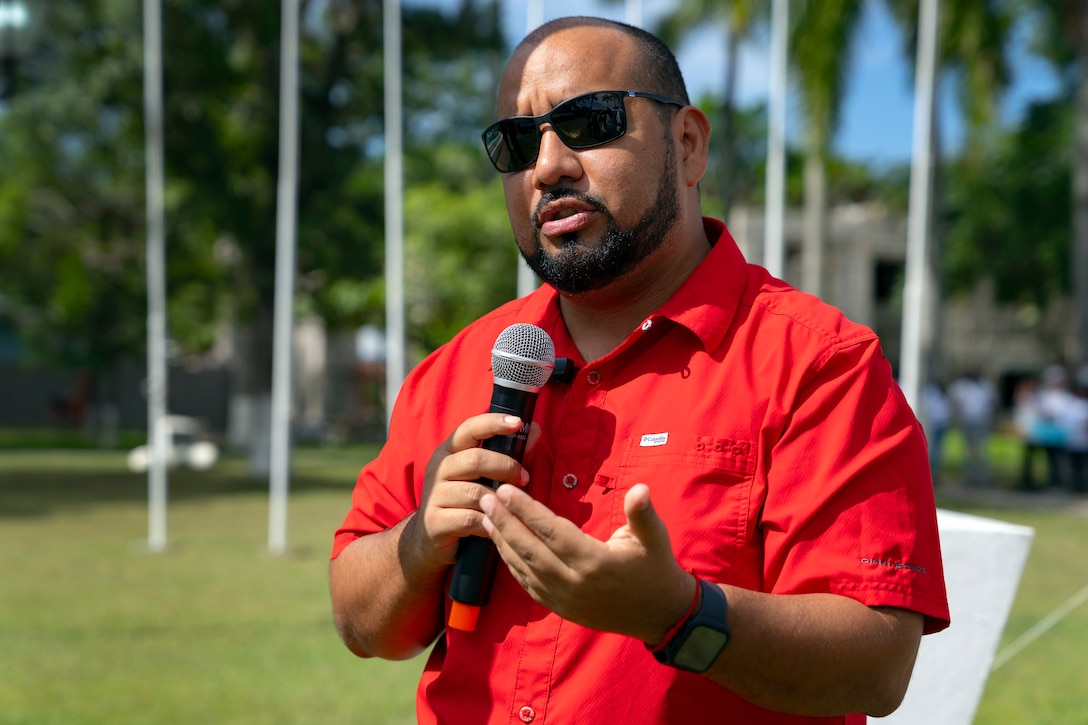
476	556
512	402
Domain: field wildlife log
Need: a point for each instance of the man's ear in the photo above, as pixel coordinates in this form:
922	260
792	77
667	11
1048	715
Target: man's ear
694	143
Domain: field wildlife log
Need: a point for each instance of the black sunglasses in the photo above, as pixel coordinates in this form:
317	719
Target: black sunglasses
581	122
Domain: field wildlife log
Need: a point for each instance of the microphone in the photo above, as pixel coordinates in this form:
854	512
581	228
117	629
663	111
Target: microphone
522	361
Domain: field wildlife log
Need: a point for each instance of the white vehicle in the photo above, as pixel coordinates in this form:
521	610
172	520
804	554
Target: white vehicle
185	447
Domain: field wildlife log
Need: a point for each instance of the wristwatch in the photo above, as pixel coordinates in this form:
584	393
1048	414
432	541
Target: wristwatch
699	640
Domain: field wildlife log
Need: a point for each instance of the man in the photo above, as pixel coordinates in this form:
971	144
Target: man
727	512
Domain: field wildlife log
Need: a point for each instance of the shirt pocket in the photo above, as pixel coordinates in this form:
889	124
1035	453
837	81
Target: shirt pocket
701	487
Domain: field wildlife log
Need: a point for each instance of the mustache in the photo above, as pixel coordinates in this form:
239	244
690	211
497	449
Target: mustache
565	193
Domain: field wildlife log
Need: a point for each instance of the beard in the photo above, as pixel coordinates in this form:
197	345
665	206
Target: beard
575	268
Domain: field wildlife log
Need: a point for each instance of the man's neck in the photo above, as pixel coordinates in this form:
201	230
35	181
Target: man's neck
599	321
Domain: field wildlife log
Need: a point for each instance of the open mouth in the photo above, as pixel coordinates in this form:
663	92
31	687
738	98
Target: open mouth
564	216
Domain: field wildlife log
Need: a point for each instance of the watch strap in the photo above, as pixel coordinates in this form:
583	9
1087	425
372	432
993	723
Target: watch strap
671	634
711	614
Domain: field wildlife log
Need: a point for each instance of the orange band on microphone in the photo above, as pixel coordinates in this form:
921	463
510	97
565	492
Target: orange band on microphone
463	616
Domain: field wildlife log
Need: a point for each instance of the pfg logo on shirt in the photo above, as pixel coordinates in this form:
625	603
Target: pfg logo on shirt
892	564
650	440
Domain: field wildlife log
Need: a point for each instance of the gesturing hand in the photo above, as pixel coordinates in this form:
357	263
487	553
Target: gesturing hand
630	584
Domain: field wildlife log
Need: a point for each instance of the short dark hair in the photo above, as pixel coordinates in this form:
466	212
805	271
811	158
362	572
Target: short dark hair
657	73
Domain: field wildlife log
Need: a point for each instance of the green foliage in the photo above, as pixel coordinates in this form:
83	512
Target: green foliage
821	39
72	227
848	181
460	258
1008	219
748	155
71	240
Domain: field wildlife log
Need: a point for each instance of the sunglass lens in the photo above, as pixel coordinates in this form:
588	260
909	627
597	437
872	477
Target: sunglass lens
582	122
590	120
512	143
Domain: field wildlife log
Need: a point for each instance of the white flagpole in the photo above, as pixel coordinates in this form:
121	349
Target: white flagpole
914	286
156	278
534	18
775	205
394	209
284	305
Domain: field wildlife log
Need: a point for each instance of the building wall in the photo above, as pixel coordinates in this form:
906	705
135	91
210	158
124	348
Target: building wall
866	247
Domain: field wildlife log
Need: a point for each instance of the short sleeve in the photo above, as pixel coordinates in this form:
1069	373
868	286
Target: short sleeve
849	507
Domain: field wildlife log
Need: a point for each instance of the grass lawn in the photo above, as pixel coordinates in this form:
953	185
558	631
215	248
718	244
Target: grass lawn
1045	681
94	629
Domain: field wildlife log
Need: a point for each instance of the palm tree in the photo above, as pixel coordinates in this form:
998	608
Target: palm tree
820	45
973	38
1065	43
740	18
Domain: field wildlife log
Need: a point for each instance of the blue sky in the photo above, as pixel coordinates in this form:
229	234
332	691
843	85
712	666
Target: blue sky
877	115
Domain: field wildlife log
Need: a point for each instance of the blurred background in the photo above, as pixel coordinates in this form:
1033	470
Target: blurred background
1007	265
73	292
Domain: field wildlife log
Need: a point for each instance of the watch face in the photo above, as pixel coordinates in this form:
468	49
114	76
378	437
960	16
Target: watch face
701	648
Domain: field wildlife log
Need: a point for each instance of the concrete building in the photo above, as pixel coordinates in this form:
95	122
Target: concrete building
863	267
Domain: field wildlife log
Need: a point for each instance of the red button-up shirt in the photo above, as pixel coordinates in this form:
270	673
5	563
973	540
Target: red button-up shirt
778	450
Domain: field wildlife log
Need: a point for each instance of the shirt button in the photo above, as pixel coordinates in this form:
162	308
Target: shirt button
647	325
570	480
593	377
527	714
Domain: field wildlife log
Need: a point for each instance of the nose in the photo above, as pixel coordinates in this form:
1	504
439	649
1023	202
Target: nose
556	160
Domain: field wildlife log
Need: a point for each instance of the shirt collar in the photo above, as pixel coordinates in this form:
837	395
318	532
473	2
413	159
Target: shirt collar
705	303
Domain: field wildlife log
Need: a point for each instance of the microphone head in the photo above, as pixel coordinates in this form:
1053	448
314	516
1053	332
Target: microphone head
523	357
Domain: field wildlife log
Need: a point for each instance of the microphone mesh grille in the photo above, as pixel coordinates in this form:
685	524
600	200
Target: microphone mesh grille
524	356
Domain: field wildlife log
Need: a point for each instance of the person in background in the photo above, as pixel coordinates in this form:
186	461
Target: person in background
1025	413
1075	424
974	407
725	513
1052	407
936	418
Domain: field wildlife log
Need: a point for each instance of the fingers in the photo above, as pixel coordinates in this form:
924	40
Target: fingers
609	585
451	495
523	523
461	458
642	518
479	428
525	556
537	544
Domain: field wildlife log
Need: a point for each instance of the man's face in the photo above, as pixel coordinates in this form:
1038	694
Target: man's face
577	266
585	218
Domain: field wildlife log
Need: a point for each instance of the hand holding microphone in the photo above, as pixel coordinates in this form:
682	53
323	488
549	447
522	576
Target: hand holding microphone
522	362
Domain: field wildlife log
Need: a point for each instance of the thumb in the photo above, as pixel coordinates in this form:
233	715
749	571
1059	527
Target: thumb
642	519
